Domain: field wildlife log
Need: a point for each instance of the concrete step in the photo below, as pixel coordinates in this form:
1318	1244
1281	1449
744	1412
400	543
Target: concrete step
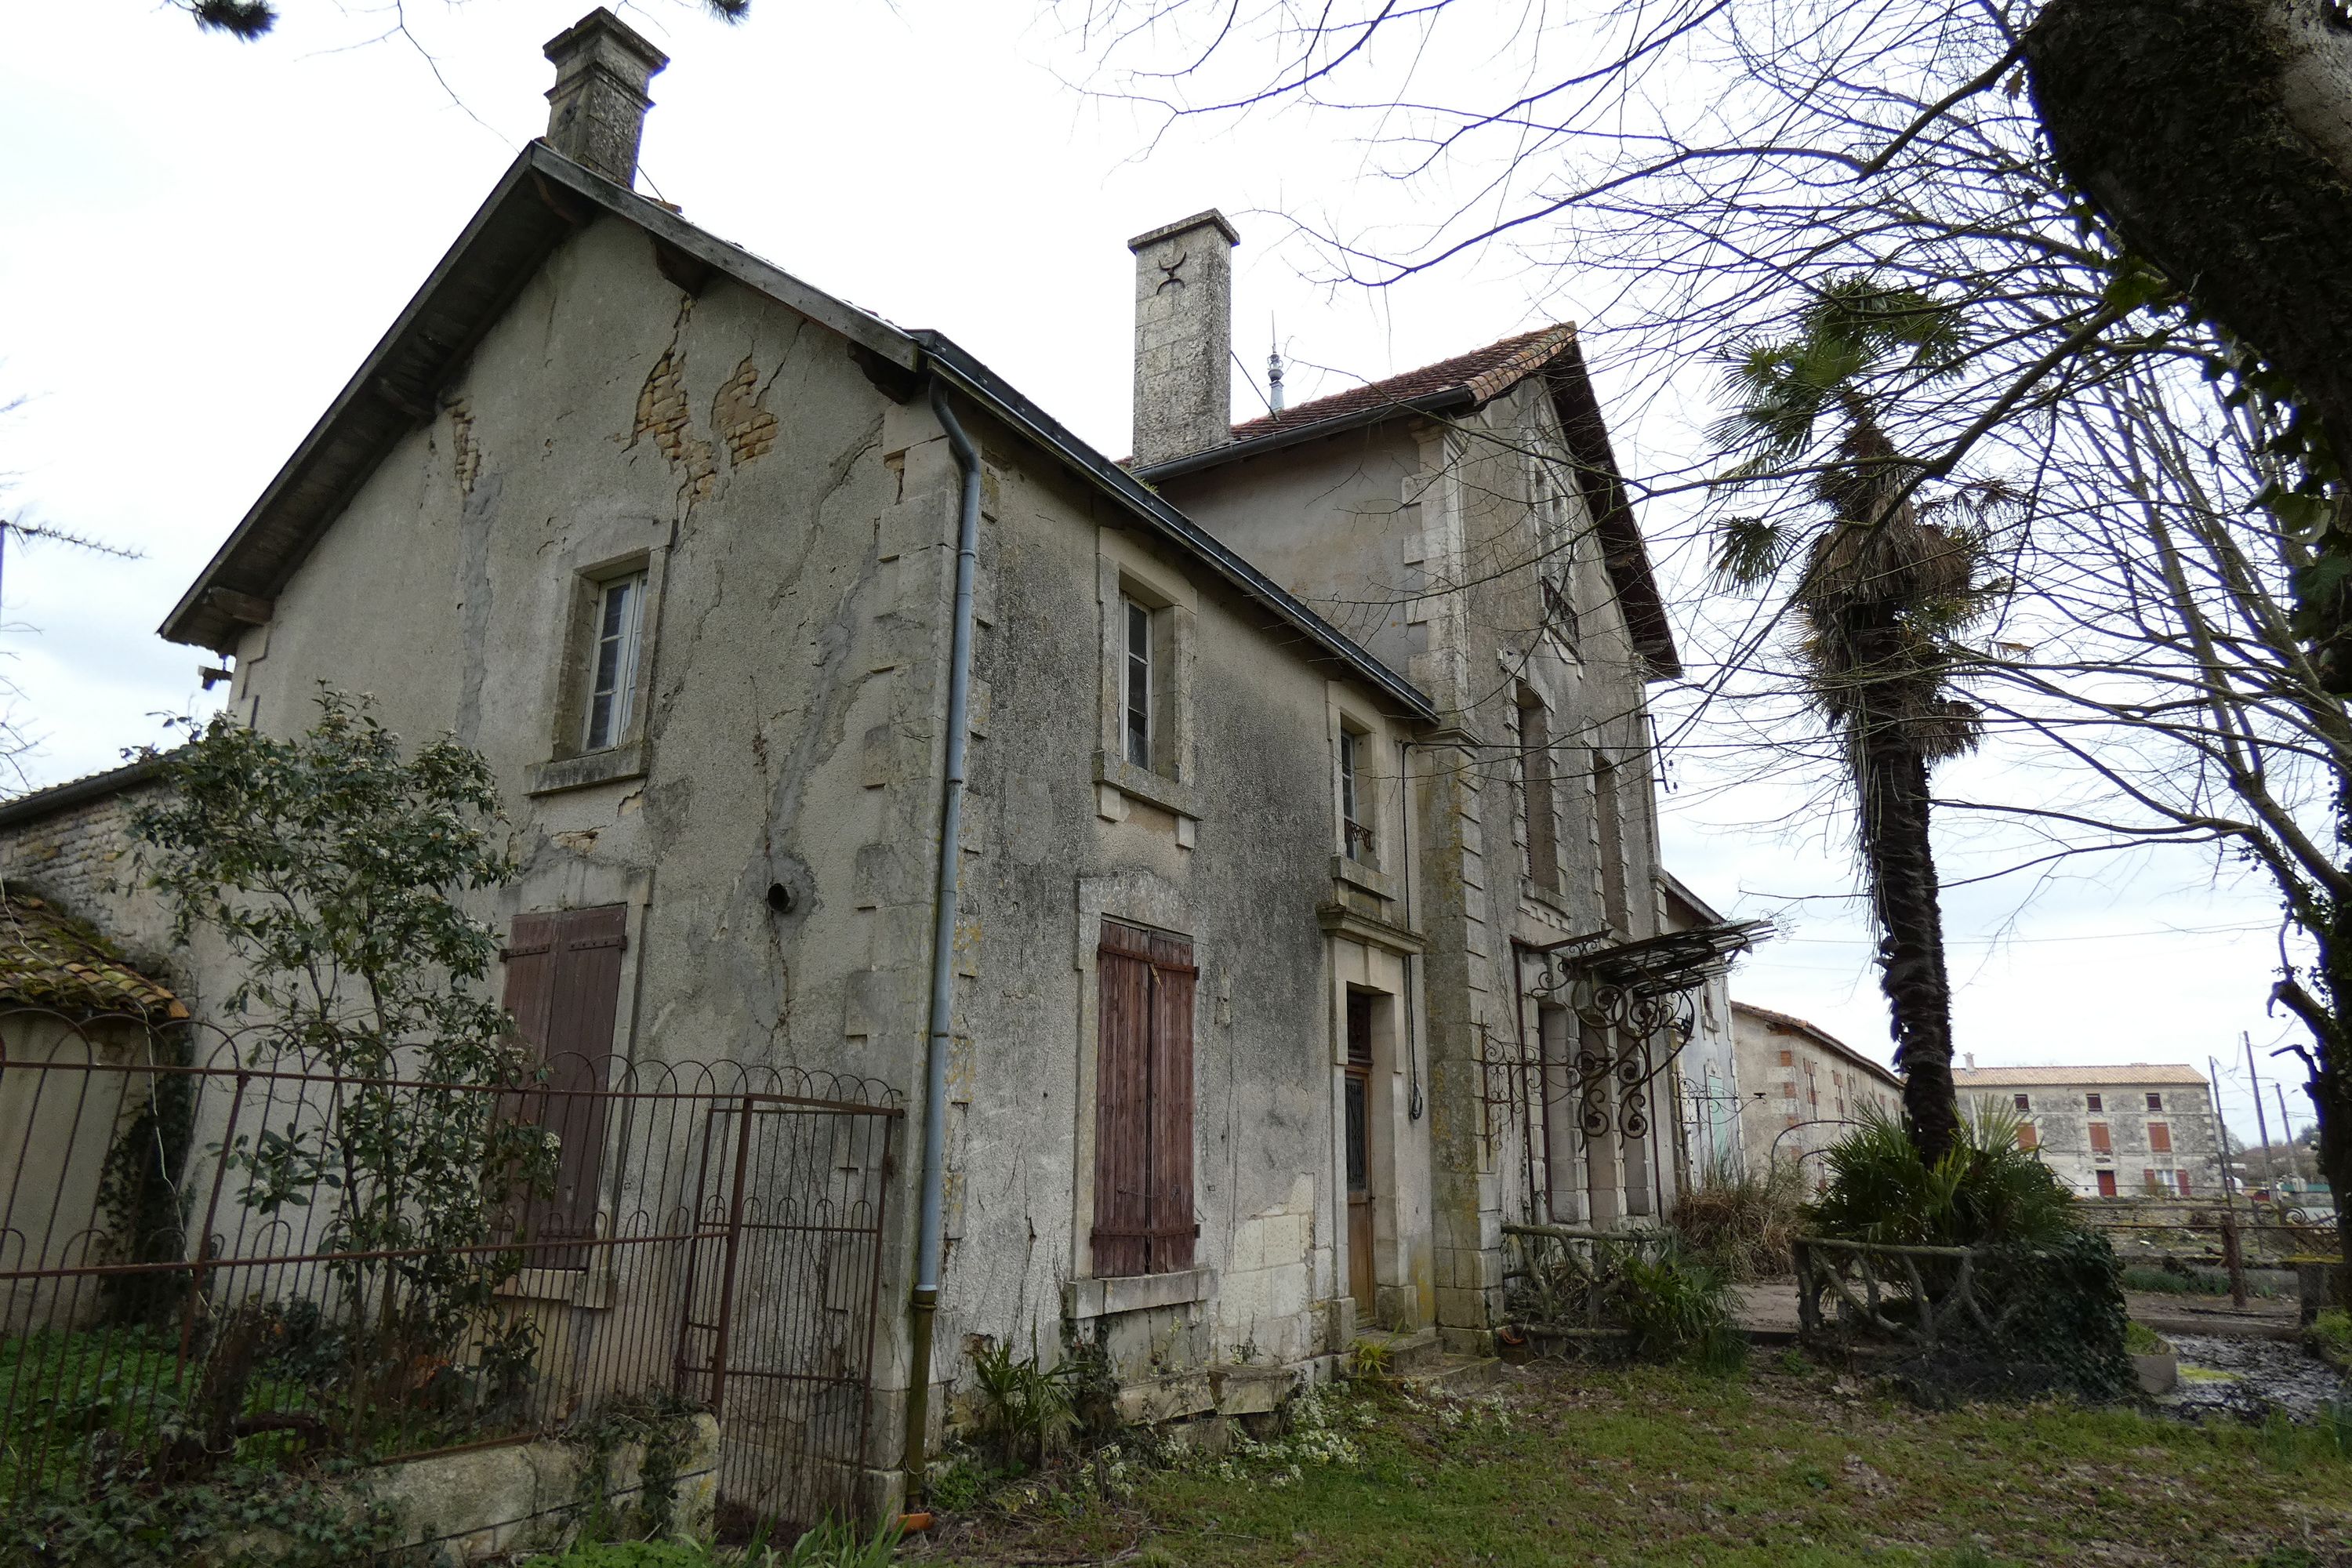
1416	1350
1457	1376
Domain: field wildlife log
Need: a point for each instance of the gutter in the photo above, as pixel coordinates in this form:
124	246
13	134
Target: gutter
923	1310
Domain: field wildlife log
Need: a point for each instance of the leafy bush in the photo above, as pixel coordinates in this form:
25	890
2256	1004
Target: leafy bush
2141	1339
1025	1411
1678	1309
2051	1285
1741	1226
835	1545
335	872
1987	1190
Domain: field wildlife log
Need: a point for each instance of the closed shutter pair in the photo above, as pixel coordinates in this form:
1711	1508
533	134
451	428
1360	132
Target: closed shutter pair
1143	1103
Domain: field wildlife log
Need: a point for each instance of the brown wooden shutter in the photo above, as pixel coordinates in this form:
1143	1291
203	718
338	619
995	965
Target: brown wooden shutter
1143	1103
1172	981
563	985
2100	1142
2159	1137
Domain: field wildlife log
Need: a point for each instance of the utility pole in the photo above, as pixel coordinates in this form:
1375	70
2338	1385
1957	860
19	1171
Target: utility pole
2232	1257
2286	1128
2262	1122
2221	1127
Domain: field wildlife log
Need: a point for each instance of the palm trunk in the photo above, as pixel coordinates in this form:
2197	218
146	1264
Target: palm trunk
1901	863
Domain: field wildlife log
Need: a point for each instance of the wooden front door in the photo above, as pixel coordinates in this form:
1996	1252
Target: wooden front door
1359	1119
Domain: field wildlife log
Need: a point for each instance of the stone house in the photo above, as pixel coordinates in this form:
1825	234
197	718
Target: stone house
1805	1088
2129	1130
71	1000
1243	859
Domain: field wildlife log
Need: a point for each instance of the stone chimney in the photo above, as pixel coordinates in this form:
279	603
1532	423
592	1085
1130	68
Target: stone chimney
597	109
1183	337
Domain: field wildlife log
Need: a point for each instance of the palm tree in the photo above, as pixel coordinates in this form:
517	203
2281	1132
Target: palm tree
1882	596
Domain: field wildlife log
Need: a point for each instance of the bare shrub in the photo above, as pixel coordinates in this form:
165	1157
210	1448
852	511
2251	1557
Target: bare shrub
1742	1225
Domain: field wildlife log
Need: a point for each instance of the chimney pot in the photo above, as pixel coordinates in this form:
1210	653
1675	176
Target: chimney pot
597	109
1183	337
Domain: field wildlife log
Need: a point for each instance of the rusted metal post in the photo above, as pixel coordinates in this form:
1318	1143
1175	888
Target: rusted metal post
205	1237
726	1274
2233	1258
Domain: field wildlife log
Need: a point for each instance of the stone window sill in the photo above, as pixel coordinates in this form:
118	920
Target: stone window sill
1359	874
608	766
1143	784
1087	1299
583	1286
1536	893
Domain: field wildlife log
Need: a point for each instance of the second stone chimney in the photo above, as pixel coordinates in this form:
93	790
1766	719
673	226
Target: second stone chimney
1183	336
597	109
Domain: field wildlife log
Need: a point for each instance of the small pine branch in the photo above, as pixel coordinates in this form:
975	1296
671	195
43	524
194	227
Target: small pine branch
242	19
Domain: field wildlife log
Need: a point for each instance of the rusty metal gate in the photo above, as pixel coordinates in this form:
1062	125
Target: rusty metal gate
784	1297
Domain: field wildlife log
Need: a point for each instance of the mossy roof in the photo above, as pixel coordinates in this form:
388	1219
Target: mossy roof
48	958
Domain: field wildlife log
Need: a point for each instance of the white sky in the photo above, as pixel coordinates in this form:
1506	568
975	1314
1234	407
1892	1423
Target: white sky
202	239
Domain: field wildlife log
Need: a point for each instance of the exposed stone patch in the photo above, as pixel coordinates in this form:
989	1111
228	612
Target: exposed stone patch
662	414
466	453
740	413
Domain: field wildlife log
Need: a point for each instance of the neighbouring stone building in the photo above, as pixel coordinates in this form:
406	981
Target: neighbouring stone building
1805	1088
1311	926
2129	1130
1707	1069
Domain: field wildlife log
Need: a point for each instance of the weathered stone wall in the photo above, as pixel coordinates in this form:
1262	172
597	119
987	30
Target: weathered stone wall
1426	542
1809	1101
80	856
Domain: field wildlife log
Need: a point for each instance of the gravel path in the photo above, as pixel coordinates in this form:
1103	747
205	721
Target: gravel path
2257	1376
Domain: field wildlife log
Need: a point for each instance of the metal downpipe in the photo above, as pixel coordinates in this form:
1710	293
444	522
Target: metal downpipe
924	1307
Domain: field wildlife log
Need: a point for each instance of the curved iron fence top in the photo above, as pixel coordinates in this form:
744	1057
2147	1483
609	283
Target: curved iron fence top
253	1051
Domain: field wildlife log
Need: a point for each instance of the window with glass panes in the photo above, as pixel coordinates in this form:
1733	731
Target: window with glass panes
612	660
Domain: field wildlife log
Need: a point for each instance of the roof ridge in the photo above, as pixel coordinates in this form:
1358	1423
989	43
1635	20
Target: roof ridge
1486	383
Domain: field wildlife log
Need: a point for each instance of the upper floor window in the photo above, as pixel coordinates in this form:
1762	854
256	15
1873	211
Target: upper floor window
1355	830
1136	727
2094	1103
2024	1102
2156	1102
1536	776
612	660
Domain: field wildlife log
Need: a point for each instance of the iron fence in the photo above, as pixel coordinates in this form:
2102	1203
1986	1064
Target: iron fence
186	1277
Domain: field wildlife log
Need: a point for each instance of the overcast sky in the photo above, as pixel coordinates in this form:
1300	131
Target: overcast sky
205	237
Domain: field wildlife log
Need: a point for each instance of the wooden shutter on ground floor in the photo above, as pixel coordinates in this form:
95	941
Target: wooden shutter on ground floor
1143	1103
563	985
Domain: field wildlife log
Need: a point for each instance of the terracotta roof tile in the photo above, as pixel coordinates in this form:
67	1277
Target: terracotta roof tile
2094	1075
47	959
1821	1036
1484	373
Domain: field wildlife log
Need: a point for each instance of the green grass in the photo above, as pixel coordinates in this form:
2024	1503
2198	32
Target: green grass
2148	1277
1654	1466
